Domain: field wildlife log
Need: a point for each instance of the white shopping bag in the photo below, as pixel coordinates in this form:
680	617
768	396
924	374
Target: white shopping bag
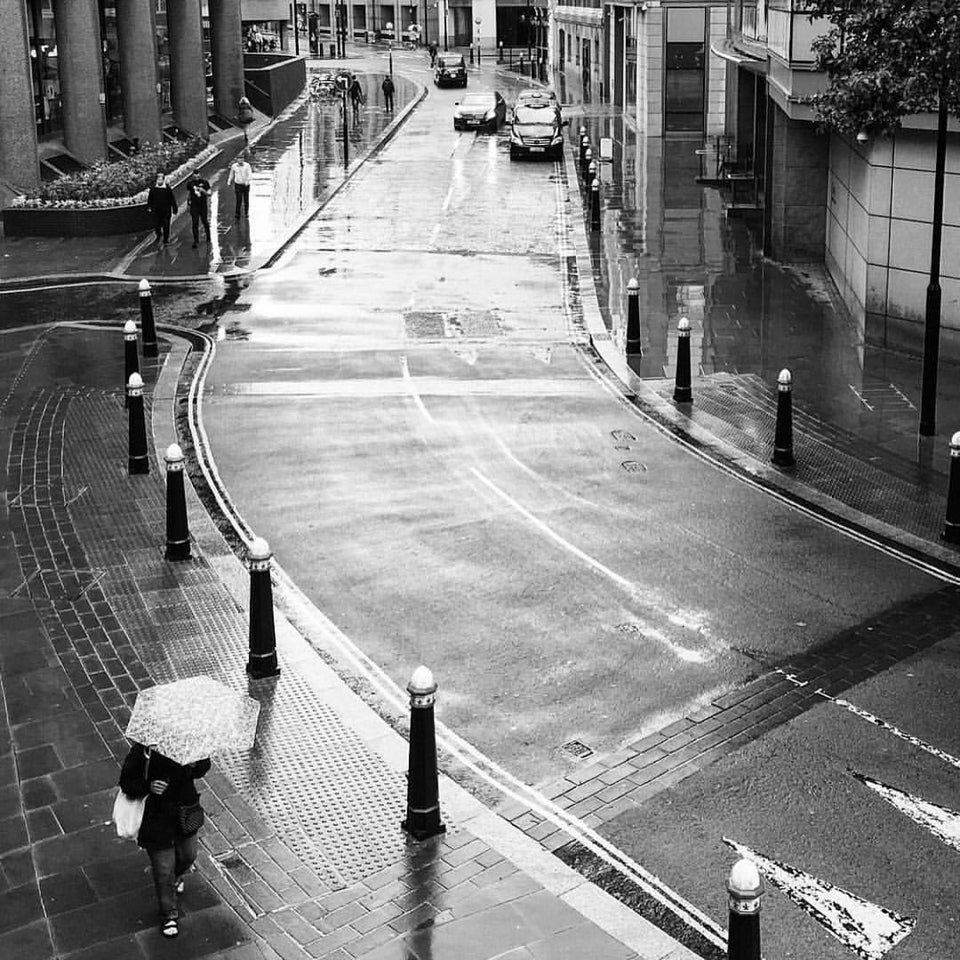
128	815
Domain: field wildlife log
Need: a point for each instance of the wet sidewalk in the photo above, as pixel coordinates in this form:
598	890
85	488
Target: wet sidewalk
302	854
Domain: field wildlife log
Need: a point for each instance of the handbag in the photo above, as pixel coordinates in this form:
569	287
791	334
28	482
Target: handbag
128	811
189	817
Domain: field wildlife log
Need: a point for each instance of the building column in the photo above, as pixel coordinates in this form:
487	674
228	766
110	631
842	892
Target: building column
226	45
18	128
188	89
81	78
138	69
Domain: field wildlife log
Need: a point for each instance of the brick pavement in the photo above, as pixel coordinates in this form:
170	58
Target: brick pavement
302	855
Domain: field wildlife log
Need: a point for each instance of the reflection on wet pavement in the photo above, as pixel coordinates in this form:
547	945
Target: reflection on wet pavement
750	316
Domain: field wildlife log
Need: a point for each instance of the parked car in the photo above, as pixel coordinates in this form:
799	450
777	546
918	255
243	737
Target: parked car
535	94
537	128
450	72
485	110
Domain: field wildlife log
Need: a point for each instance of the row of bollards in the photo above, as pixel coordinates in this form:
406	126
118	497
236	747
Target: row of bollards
590	174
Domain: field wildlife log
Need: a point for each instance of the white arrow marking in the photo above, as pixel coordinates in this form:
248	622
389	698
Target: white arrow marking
940	821
868	930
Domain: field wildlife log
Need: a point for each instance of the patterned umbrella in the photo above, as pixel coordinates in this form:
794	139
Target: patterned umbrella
190	719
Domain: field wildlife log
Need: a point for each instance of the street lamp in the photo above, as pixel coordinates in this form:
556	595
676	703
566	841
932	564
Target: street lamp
446	14
478	21
931	327
389	28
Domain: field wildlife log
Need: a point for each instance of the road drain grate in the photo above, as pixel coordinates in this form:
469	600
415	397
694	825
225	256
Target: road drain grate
577	749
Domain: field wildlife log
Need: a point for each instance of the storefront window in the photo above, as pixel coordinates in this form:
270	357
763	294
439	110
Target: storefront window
684	65
45	68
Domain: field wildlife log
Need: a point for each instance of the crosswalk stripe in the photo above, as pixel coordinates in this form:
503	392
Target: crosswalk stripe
942	822
865	928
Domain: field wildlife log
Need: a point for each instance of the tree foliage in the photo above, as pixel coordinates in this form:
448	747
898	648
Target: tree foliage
886	59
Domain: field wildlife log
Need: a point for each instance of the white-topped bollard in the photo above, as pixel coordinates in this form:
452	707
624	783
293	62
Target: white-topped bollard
951	525
682	391
585	165
262	662
178	531
146	319
634	344
131	357
783	434
137	459
595	220
745	886
423	791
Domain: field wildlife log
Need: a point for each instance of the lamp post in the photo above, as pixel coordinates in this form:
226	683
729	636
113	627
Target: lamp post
389	28
529	22
478	21
445	17
931	328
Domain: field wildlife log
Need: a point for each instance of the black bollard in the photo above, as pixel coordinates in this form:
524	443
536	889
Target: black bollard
951	526
262	662
146	320
471	55
783	435
423	792
178	532
137	460
633	317
681	391
500	53
745	887
595	204
585	166
131	356
584	143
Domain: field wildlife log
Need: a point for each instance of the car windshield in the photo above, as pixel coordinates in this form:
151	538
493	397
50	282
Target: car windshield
477	101
528	113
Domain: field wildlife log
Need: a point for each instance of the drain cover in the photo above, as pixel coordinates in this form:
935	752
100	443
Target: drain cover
634	466
577	749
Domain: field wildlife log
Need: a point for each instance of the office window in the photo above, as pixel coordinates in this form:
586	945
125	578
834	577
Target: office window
684	62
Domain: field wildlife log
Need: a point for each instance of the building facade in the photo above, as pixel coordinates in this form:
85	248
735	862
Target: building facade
863	206
82	80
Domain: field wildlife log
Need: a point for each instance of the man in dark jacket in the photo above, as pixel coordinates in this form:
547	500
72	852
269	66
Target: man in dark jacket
163	205
355	92
198	190
170	842
387	88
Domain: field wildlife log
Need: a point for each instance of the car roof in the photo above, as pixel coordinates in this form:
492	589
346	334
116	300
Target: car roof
536	95
536	112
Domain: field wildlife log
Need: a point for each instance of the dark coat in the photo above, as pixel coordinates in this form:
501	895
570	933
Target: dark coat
160	200
198	189
387	87
160	827
356	92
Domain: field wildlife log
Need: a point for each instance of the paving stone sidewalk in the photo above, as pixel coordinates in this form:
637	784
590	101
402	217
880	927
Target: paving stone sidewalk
302	854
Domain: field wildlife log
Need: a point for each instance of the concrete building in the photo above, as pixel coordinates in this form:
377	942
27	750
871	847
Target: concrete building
82	80
863	206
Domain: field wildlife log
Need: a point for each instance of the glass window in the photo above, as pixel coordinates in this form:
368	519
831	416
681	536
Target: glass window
684	61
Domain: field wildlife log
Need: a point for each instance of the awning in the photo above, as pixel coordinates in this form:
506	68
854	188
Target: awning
725	50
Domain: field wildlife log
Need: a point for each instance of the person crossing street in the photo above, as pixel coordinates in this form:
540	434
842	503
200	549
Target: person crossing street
241	173
198	191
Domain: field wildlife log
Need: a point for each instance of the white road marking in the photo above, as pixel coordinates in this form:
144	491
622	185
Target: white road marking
942	822
865	928
628	586
412	390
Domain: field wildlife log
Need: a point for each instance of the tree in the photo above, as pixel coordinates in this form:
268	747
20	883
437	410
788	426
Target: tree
886	59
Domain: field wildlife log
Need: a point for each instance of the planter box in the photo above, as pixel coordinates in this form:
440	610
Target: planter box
84	222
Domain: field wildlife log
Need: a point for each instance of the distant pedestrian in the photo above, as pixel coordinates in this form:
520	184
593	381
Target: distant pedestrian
168	831
355	91
433	53
241	173
162	204
198	190
388	88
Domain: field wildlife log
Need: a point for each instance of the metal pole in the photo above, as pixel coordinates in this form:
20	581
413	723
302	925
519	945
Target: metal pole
634	344
745	887
146	320
529	25
178	530
445	18
262	661
931	331
783	433
346	139
951	526
682	392
138	460
296	29
423	791
131	358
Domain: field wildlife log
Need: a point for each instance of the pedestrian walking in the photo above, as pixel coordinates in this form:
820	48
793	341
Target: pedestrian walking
240	176
172	815
198	190
357	98
387	87
162	204
433	54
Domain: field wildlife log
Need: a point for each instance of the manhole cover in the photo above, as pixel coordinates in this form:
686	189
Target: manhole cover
577	749
424	324
634	466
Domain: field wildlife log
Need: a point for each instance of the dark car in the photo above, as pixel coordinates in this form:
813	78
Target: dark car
484	110
537	128
450	72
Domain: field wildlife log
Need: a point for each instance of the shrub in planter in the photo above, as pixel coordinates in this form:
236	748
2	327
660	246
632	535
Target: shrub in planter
122	179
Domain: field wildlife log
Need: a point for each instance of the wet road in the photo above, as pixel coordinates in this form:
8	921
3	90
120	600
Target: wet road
404	410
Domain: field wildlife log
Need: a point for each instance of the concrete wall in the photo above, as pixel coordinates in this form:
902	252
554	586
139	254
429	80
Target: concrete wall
880	207
798	178
716	72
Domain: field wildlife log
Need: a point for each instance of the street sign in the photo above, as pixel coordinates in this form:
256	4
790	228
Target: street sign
343	81
606	148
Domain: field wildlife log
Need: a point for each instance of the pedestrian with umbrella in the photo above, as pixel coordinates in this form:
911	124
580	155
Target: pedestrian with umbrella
176	727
